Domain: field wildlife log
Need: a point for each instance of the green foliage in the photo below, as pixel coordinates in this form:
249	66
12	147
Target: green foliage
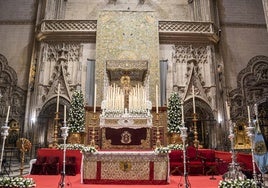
76	119
174	113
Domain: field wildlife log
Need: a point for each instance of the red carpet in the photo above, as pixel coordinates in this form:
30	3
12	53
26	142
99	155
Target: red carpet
45	181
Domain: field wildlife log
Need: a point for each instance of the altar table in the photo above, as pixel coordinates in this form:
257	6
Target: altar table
125	167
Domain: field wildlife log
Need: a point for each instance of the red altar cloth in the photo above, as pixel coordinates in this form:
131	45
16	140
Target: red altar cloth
59	153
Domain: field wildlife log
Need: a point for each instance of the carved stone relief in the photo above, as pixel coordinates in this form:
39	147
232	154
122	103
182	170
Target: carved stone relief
60	64
252	87
10	94
192	65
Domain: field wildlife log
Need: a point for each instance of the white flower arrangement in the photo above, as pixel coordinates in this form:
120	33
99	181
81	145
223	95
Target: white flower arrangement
16	182
80	147
247	183
175	146
162	150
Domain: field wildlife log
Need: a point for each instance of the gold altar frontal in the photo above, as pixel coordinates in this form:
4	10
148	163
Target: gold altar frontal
125	167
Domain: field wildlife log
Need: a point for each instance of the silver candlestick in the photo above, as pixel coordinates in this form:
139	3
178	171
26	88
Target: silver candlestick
64	134
4	134
183	135
251	134
234	171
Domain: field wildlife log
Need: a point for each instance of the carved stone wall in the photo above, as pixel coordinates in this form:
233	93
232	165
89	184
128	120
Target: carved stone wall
11	95
252	87
60	63
194	65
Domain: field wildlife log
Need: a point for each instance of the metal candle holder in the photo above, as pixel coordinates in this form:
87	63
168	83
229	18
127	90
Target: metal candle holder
64	134
158	142
183	135
4	134
251	134
94	119
55	139
196	142
234	171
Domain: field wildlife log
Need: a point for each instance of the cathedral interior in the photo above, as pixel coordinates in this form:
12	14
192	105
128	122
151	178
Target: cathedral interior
129	56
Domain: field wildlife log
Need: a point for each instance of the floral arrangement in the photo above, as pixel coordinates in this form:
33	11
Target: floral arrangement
175	146
76	120
247	183
80	147
16	182
174	113
162	150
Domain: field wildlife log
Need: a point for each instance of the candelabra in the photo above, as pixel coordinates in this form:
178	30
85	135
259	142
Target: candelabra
158	142
64	134
4	134
234	171
183	130
196	142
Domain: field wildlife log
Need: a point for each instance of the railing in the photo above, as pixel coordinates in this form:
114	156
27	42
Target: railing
86	29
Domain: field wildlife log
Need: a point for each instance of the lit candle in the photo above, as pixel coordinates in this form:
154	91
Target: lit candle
58	98
156	98
248	114
64	120
182	114
95	97
193	99
227	110
8	109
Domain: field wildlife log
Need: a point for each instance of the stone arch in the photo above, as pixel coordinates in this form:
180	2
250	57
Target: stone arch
46	120
252	88
206	122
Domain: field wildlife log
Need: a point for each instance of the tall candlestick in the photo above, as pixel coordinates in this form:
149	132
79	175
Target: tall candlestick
58	98
64	120
156	98
95	97
256	111
227	110
193	99
8	109
182	114
248	114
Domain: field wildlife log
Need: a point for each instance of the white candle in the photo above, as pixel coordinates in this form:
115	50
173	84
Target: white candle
182	114
156	98
8	109
64	120
248	114
95	97
256	111
58	98
227	110
193	99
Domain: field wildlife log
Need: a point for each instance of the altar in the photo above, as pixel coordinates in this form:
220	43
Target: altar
125	167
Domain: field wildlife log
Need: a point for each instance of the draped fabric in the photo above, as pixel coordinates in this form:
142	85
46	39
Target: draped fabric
90	82
163	76
260	153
